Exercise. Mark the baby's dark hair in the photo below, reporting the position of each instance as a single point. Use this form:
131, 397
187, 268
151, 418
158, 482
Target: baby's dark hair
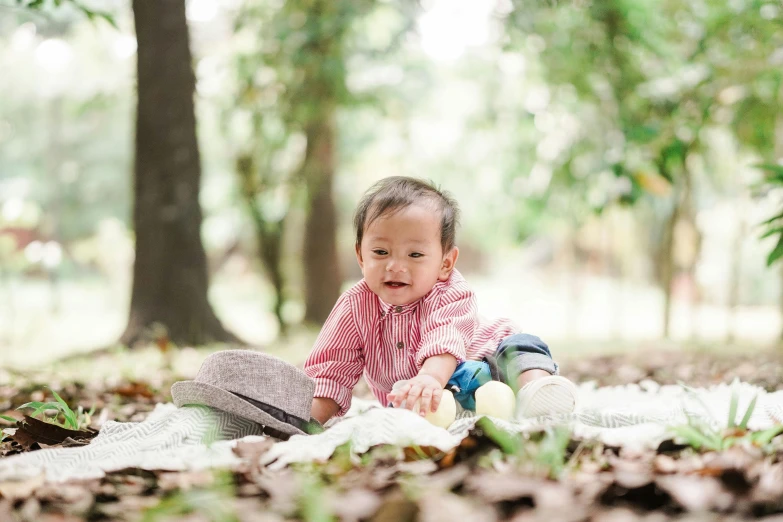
395, 193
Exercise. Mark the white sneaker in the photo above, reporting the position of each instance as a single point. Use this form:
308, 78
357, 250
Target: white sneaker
552, 395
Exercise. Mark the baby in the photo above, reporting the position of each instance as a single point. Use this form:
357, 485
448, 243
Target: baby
413, 317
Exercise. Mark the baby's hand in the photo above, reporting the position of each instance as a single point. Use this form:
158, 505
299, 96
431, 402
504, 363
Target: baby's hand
424, 387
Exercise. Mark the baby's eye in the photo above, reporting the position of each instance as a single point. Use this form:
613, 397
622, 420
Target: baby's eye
379, 252
417, 254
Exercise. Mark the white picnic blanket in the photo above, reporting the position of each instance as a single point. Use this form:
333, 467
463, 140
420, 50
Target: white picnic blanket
189, 438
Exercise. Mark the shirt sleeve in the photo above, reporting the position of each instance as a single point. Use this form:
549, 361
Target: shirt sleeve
336, 361
449, 327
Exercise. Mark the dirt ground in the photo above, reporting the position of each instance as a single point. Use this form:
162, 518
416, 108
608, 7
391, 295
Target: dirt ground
554, 478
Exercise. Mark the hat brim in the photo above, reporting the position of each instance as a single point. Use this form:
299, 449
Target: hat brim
192, 392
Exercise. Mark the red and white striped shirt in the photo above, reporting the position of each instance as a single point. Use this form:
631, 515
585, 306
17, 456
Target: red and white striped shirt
390, 343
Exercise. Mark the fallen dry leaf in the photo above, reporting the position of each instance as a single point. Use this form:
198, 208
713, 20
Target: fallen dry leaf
251, 451
696, 493
133, 389
185, 480
449, 478
664, 464
396, 507
283, 488
435, 506
417, 467
21, 489
355, 504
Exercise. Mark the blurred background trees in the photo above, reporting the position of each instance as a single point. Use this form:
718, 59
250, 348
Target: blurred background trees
607, 154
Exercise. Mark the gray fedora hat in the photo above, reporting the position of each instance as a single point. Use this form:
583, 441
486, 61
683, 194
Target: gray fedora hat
255, 386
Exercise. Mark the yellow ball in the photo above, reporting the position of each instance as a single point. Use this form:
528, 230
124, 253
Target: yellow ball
496, 399
446, 413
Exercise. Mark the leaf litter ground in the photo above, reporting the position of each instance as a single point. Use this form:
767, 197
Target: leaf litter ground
491, 476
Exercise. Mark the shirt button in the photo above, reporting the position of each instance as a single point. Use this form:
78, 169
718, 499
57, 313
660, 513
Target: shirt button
401, 345
383, 313
398, 309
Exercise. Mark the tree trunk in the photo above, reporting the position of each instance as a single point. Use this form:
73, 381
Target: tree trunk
667, 268
170, 271
735, 279
321, 266
778, 152
269, 235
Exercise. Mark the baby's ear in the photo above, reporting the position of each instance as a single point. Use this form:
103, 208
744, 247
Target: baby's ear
359, 259
448, 263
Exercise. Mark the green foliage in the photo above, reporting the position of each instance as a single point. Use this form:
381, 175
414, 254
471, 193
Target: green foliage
655, 74
545, 452
701, 435
80, 6
313, 502
74, 420
7, 418
774, 225
214, 503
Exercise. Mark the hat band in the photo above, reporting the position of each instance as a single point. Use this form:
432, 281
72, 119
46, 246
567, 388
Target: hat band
275, 412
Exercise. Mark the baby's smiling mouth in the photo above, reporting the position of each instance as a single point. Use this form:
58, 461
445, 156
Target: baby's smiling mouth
394, 284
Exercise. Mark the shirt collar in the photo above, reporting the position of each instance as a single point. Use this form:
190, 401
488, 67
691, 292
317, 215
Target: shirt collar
387, 309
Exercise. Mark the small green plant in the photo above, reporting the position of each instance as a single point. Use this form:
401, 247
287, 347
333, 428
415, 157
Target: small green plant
74, 420
214, 503
313, 502
545, 452
700, 434
7, 418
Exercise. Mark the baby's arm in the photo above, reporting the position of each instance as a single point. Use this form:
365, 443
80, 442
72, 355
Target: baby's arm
324, 409
335, 363
446, 333
441, 367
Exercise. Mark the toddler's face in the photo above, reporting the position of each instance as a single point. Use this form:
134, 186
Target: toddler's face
401, 255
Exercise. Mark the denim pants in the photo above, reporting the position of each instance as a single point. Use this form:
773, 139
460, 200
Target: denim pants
515, 354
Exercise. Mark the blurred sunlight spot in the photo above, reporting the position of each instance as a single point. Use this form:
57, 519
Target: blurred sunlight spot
34, 251
220, 231
538, 181
536, 43
512, 64
550, 147
366, 78
23, 37
12, 209
210, 78
544, 121
450, 26
433, 138
201, 10
53, 54
731, 95
537, 99
769, 11
125, 46
52, 254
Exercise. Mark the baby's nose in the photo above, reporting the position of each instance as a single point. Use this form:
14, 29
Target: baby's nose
395, 266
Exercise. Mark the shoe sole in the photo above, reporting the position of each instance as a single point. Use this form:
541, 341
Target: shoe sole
553, 395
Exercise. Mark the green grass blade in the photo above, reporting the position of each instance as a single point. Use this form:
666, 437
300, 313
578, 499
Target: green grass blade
746, 418
508, 443
34, 404
694, 437
6, 417
70, 417
733, 408
762, 438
